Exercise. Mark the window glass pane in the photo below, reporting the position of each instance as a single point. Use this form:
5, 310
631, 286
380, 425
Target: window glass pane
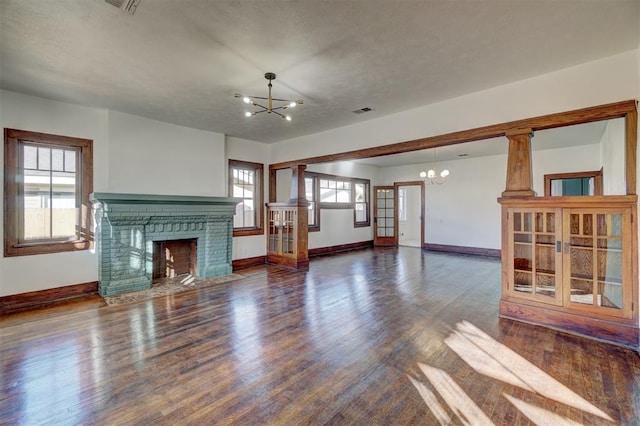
44, 158
308, 188
57, 159
327, 195
30, 155
359, 188
343, 196
50, 205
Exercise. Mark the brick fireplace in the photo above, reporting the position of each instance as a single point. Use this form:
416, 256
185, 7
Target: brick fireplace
128, 225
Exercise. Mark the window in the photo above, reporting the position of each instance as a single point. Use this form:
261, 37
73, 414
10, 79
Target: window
48, 179
361, 203
310, 194
578, 183
245, 182
335, 191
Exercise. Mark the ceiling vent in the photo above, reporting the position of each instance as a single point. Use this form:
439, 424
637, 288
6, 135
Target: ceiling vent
362, 110
127, 6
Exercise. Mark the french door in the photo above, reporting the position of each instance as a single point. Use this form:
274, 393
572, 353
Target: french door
385, 224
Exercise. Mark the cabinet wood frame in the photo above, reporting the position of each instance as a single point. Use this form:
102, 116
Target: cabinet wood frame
617, 326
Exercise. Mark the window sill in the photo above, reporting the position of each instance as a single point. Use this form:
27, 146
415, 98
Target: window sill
28, 249
248, 232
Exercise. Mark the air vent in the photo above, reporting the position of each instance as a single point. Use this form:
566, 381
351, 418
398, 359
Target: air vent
362, 110
127, 6
463, 155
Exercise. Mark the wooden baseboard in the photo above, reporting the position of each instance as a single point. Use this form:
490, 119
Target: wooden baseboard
323, 251
248, 262
477, 251
35, 299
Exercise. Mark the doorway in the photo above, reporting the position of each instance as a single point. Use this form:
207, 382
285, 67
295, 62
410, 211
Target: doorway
410, 213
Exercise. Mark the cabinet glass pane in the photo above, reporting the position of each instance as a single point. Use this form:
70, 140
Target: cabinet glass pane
551, 223
545, 258
522, 282
609, 274
545, 285
526, 222
582, 291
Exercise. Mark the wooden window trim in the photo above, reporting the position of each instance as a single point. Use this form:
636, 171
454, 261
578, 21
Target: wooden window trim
364, 223
316, 196
596, 174
12, 194
258, 201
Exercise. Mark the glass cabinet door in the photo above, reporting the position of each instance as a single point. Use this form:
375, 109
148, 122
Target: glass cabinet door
597, 255
535, 270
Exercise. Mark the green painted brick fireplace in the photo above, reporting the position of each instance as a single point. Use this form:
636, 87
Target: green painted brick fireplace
128, 224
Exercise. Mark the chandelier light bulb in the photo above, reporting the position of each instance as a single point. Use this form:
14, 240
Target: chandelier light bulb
444, 173
288, 118
423, 175
292, 104
431, 174
246, 100
248, 114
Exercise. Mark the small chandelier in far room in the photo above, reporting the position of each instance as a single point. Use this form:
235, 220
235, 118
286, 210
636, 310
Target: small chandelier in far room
432, 176
273, 105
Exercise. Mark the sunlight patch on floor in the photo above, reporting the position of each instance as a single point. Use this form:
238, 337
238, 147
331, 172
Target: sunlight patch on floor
489, 357
539, 415
493, 359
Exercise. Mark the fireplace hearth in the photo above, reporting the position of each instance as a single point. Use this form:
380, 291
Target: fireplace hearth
128, 225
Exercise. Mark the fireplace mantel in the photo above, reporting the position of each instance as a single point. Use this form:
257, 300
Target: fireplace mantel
128, 224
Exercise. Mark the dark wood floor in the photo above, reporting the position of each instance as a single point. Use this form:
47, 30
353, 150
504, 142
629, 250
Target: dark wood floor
379, 336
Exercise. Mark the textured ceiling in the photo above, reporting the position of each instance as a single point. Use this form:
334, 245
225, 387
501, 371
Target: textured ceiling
182, 61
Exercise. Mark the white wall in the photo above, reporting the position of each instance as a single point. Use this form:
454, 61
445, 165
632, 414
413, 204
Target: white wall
256, 152
599, 82
130, 154
152, 157
30, 273
464, 211
612, 147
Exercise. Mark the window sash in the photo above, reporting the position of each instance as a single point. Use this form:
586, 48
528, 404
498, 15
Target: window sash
245, 182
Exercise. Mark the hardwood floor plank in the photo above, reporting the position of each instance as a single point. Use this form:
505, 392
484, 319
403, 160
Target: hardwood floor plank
345, 343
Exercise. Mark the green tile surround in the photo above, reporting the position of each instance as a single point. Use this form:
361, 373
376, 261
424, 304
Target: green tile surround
128, 224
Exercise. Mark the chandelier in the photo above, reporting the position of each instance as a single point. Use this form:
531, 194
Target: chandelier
273, 105
432, 176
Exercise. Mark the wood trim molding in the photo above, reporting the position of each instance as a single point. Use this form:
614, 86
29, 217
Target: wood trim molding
248, 262
630, 153
41, 298
585, 115
323, 251
476, 251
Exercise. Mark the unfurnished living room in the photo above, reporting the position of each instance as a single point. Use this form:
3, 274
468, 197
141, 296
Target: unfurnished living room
301, 212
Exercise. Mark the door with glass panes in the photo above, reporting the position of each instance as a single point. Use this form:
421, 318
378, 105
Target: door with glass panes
385, 224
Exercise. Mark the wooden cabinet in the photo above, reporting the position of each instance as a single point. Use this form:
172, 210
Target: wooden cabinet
284, 246
568, 263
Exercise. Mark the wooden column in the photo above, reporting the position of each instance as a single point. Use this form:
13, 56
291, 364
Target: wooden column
519, 177
299, 199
